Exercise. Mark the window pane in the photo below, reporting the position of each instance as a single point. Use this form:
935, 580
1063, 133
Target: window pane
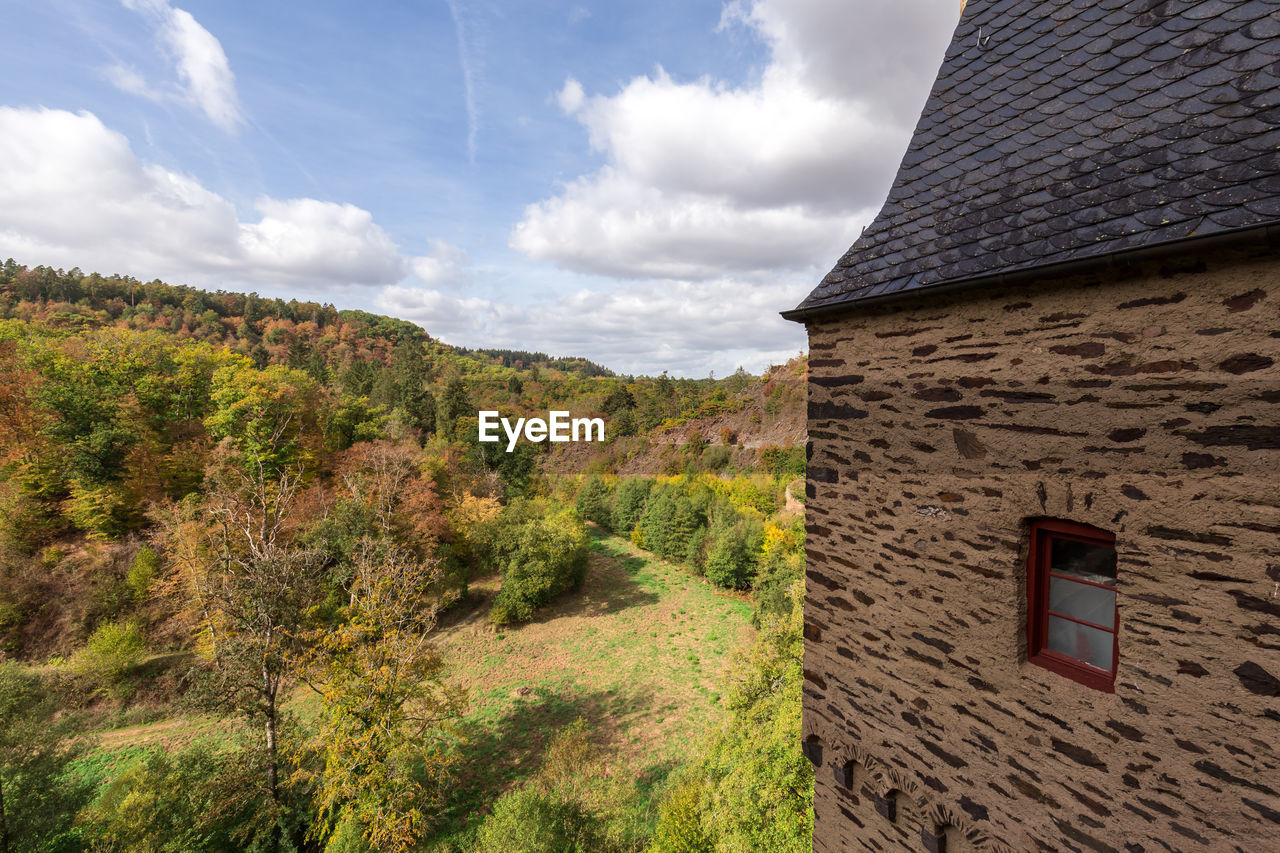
1081, 601
1081, 642
1095, 563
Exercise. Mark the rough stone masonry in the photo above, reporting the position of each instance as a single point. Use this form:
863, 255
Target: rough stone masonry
1147, 404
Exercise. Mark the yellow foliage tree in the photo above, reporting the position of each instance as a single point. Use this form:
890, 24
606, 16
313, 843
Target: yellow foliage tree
386, 706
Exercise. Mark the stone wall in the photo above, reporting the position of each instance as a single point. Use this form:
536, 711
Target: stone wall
1147, 404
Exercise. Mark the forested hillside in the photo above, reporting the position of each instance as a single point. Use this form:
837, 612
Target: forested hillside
264, 527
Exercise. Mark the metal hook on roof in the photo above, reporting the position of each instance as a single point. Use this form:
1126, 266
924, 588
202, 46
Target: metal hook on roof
982, 42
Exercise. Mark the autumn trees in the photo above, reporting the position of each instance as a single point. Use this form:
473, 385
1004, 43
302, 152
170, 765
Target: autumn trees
282, 526
286, 496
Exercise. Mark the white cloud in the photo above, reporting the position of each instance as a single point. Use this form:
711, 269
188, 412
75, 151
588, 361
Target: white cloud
127, 79
881, 53
615, 224
690, 328
703, 177
305, 238
72, 193
205, 79
571, 96
444, 264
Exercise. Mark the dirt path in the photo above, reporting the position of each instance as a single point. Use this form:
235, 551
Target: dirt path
166, 732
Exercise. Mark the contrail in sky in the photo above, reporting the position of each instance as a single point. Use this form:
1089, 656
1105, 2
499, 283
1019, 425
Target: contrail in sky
468, 81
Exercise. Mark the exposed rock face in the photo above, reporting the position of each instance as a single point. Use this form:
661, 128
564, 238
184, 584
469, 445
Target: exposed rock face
1147, 405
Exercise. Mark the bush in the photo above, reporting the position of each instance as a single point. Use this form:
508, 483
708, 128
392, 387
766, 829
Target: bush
142, 573
629, 503
530, 821
783, 461
348, 837
540, 557
26, 521
680, 821
103, 512
41, 798
194, 800
112, 653
716, 457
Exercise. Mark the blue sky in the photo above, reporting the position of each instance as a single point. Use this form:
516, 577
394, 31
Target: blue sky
643, 183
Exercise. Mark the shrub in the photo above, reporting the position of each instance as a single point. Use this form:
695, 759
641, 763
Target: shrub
680, 821
694, 443
194, 800
540, 557
113, 651
716, 457
783, 461
755, 492
348, 837
754, 788
103, 512
142, 572
41, 798
778, 571
26, 521
530, 821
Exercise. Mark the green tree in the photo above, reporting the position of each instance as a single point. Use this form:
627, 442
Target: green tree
412, 375
620, 406
778, 572
270, 414
254, 589
629, 503
595, 502
671, 523
540, 556
733, 549
453, 405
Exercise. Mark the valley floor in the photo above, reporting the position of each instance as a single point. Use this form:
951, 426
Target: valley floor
637, 653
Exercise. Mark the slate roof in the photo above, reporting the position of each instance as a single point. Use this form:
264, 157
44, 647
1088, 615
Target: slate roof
1077, 129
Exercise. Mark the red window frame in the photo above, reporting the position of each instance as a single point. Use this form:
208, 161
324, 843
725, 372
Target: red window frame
1043, 531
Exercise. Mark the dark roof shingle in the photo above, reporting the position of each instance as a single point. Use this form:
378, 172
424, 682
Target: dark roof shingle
1077, 129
